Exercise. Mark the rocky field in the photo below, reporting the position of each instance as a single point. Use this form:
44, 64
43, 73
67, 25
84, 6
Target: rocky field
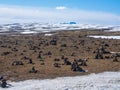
50, 55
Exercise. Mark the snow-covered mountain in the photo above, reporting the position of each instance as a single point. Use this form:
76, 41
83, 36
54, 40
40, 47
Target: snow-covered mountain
27, 28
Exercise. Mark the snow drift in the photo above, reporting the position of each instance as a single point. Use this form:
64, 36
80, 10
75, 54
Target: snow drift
102, 81
106, 37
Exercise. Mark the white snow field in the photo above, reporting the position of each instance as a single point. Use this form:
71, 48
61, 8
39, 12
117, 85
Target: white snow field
31, 28
101, 81
106, 37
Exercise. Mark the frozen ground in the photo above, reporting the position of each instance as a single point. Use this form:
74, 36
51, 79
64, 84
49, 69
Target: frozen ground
102, 81
106, 37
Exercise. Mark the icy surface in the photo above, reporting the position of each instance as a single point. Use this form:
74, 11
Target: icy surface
28, 32
102, 81
106, 37
48, 34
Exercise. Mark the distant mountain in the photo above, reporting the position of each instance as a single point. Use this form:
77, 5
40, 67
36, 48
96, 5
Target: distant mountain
27, 28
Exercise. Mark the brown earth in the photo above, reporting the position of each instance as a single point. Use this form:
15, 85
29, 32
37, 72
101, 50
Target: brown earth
69, 43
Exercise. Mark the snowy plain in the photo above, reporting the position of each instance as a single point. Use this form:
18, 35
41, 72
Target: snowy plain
101, 81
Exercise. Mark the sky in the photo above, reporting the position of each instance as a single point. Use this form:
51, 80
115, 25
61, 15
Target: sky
53, 11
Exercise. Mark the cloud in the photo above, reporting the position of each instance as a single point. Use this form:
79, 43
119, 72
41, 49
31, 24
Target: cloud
13, 14
61, 7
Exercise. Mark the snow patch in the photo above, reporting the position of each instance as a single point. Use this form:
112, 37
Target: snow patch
114, 52
28, 32
106, 37
48, 34
102, 81
117, 28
